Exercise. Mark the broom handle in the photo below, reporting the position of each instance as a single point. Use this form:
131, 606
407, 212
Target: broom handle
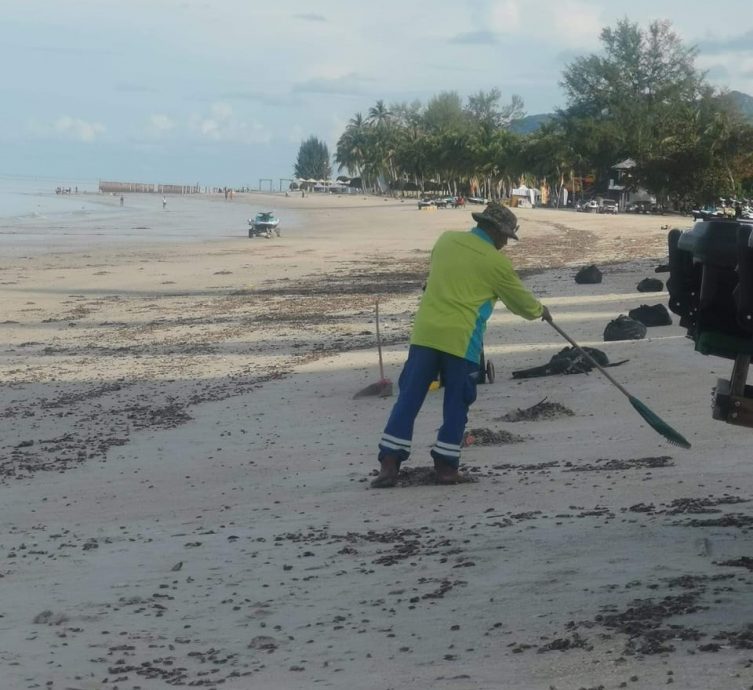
589, 358
379, 343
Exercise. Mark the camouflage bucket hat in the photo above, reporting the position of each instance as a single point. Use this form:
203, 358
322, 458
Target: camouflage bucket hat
500, 217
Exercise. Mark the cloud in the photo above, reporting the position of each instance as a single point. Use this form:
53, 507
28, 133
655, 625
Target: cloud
577, 24
312, 17
270, 99
476, 38
160, 124
222, 124
562, 23
79, 129
66, 127
346, 85
741, 43
504, 17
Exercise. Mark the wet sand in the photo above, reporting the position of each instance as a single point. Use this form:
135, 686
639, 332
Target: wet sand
185, 473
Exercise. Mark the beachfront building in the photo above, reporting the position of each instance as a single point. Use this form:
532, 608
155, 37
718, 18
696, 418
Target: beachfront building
621, 188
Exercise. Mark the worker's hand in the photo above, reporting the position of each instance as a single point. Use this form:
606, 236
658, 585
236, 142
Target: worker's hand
545, 315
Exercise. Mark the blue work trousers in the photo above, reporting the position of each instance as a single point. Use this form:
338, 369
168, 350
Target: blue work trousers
459, 377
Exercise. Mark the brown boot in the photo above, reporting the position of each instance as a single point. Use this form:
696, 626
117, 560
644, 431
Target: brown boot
446, 474
387, 478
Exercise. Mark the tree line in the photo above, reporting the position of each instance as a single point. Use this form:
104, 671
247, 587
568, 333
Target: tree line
641, 97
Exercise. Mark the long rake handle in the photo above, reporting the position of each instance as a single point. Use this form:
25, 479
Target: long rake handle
379, 344
590, 359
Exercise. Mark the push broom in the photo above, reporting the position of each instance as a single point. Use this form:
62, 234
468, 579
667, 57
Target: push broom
654, 421
383, 387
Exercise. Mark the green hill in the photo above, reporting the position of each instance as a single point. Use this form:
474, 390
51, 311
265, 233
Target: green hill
744, 102
530, 123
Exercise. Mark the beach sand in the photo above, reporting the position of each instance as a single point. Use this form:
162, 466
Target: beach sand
185, 472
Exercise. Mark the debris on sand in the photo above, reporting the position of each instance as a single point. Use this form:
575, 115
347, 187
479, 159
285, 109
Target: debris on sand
624, 328
541, 410
569, 360
488, 437
739, 639
605, 465
729, 520
701, 505
588, 275
742, 562
651, 315
643, 619
650, 285
563, 644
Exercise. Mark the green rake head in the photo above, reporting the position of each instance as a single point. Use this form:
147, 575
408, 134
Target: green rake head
659, 425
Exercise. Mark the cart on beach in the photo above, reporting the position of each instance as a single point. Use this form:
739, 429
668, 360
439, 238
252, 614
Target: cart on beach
264, 224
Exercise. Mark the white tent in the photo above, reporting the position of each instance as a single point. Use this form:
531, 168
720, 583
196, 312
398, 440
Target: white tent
527, 195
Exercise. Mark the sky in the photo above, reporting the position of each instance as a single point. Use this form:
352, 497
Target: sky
223, 92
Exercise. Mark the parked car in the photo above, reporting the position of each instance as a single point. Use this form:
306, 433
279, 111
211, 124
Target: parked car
608, 206
426, 202
591, 206
639, 207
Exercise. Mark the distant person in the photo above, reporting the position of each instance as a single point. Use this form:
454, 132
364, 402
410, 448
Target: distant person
76, 190
164, 202
122, 200
225, 190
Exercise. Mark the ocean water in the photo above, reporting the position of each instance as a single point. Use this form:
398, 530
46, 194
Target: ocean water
28, 197
34, 219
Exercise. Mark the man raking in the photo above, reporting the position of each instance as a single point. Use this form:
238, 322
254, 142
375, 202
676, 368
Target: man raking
467, 275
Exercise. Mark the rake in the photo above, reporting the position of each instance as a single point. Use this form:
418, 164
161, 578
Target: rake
654, 421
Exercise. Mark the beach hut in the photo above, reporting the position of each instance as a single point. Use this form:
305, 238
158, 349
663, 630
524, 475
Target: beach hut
525, 197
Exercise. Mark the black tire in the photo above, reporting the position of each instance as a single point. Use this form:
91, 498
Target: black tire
490, 373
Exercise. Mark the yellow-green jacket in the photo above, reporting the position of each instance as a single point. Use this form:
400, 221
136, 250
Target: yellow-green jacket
466, 277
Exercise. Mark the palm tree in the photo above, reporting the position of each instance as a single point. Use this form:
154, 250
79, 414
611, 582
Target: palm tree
379, 114
351, 152
382, 142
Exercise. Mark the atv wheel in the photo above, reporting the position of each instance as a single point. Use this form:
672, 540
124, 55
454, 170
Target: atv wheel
489, 372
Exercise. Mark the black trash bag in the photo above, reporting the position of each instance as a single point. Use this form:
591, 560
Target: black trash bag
569, 360
624, 328
588, 275
650, 285
655, 315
